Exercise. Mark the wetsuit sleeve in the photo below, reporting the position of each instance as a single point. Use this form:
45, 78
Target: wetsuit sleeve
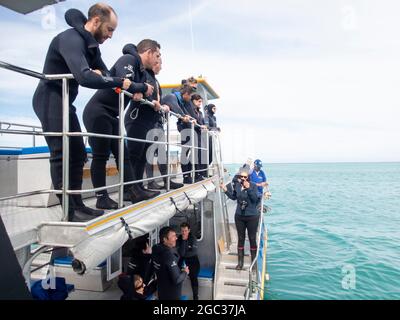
73, 52
182, 247
122, 71
171, 101
193, 250
100, 65
177, 276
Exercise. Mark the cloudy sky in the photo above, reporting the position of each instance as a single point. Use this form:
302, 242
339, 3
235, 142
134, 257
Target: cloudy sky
299, 80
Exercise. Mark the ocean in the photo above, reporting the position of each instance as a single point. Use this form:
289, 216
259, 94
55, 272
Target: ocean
333, 231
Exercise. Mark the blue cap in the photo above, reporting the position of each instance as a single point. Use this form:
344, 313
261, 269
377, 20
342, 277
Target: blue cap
258, 163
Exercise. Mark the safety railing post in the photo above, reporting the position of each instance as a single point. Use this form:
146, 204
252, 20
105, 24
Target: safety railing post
208, 153
193, 153
33, 137
65, 144
168, 153
121, 150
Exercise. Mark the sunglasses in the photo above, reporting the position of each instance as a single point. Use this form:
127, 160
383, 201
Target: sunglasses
244, 177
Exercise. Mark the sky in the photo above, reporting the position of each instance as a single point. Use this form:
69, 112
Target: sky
299, 81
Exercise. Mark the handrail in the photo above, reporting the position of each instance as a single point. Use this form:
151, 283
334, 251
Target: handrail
19, 125
34, 74
253, 263
65, 134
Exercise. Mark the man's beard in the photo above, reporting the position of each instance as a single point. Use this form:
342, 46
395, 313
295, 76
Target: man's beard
98, 35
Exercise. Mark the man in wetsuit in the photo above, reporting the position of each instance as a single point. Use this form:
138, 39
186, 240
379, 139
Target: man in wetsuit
201, 164
101, 116
179, 102
161, 150
75, 51
165, 263
141, 118
187, 250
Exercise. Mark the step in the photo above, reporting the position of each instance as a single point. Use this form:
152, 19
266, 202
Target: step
41, 259
230, 292
232, 261
233, 276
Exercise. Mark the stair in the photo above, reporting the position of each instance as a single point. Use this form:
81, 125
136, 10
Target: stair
232, 283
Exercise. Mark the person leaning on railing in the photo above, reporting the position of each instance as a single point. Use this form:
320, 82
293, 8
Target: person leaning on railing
141, 118
210, 122
101, 116
246, 215
161, 150
75, 51
178, 102
201, 164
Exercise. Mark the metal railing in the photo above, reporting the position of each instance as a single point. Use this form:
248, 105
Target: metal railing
13, 124
252, 286
65, 134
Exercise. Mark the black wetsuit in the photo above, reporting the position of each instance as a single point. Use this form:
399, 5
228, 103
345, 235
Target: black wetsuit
178, 105
211, 122
201, 163
161, 152
246, 215
169, 275
139, 120
73, 51
187, 250
102, 112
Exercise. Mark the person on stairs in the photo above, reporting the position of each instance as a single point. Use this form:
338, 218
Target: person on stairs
246, 216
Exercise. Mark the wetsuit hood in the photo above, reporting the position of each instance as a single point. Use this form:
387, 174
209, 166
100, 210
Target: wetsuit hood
130, 49
209, 109
77, 20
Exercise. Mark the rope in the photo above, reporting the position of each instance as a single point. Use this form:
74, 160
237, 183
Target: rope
176, 207
127, 229
190, 201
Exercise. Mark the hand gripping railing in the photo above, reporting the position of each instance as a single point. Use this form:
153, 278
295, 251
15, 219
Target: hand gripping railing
65, 134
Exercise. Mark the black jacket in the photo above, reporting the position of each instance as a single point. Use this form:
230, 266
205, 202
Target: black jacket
127, 66
143, 114
247, 198
140, 264
76, 51
179, 106
187, 248
211, 120
169, 276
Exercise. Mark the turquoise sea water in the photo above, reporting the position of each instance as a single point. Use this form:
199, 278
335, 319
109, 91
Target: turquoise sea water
334, 231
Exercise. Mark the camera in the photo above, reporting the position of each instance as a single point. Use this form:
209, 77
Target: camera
243, 205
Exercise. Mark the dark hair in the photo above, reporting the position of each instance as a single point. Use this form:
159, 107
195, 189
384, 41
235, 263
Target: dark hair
147, 44
185, 225
196, 97
142, 242
189, 80
101, 10
164, 231
210, 106
186, 89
